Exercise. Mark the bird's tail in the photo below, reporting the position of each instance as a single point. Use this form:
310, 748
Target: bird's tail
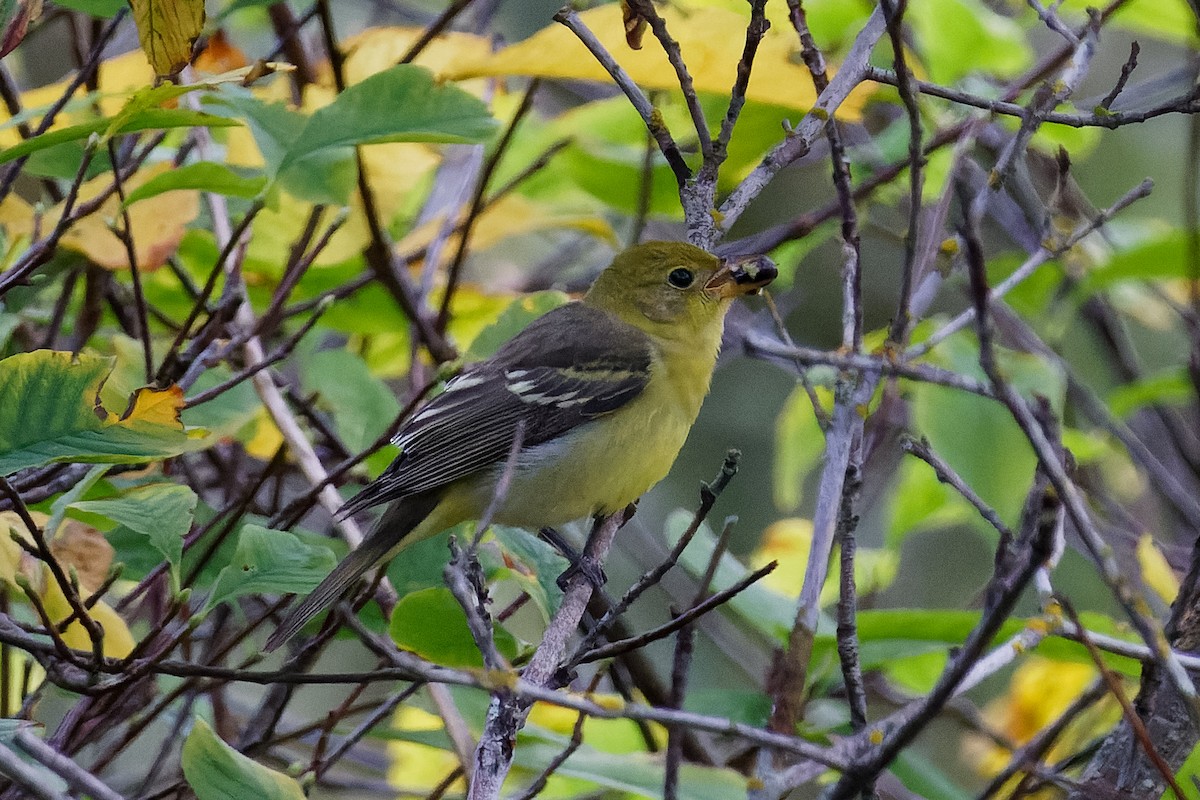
397, 522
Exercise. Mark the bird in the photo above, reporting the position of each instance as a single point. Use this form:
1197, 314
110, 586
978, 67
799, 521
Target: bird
585, 410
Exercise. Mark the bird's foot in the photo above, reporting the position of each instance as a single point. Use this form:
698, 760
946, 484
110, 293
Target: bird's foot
589, 568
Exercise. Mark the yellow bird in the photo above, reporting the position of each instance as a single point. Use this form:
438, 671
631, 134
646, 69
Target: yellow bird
599, 396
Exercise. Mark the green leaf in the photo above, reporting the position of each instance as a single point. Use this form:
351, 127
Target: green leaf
327, 177
924, 779
49, 412
432, 624
740, 705
8, 324
542, 566
216, 771
637, 774
160, 511
149, 119
983, 40
312, 157
916, 674
58, 509
922, 502
273, 125
604, 160
1168, 20
240, 5
63, 162
765, 610
969, 431
1161, 255
799, 444
1170, 388
268, 561
97, 8
425, 561
419, 110
224, 415
512, 321
361, 404
1087, 447
886, 635
204, 175
1188, 778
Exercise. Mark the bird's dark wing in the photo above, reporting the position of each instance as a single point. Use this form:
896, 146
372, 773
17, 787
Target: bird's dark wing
568, 367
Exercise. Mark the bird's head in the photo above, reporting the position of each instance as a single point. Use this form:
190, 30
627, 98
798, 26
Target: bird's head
676, 287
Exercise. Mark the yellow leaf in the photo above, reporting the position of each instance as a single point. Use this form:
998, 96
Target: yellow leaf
472, 310
710, 38
1156, 572
266, 438
394, 172
157, 227
17, 222
512, 215
1039, 691
13, 559
117, 78
787, 542
417, 767
118, 641
388, 355
167, 29
10, 551
23, 672
377, 49
606, 735
561, 719
78, 547
158, 406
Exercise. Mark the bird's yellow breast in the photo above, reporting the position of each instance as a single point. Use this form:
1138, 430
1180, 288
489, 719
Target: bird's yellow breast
606, 464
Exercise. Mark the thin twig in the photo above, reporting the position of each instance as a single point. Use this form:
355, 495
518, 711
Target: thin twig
477, 203
434, 29
82, 76
1038, 745
946, 474
280, 353
506, 715
1128, 712
800, 139
646, 10
1126, 70
709, 492
894, 11
681, 663
539, 783
847, 608
125, 234
650, 116
623, 646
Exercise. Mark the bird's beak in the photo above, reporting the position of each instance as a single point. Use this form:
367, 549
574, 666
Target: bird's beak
744, 275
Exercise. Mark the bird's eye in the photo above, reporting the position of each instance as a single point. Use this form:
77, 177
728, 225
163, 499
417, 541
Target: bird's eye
681, 278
